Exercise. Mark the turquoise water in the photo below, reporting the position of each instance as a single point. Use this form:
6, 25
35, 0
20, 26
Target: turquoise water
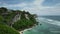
48, 26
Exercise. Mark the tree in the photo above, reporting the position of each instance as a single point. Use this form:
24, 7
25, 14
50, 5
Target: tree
1, 19
3, 10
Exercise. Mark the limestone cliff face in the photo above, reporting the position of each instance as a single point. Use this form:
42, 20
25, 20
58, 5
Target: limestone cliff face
26, 16
15, 19
18, 17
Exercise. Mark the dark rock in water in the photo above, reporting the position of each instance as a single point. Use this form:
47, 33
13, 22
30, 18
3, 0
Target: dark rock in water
37, 23
40, 24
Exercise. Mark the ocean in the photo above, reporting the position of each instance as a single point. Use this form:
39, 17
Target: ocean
46, 25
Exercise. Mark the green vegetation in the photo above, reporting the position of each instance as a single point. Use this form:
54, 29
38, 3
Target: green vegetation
22, 24
10, 22
4, 29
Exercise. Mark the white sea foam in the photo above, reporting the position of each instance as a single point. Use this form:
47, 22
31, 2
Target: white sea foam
55, 31
55, 22
49, 20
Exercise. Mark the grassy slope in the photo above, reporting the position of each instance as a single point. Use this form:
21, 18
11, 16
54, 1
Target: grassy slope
4, 29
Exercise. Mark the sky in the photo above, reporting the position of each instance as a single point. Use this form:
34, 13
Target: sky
39, 7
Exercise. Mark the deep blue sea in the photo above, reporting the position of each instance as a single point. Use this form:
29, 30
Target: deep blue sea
46, 25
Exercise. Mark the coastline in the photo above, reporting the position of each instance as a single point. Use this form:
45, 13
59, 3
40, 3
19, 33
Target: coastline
21, 32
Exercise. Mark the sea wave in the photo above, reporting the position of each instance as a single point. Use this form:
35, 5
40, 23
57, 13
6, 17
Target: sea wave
50, 21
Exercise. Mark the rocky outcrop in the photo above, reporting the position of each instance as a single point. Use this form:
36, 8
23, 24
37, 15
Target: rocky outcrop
26, 16
15, 19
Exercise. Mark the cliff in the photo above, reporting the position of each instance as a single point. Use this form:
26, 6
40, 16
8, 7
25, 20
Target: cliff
17, 19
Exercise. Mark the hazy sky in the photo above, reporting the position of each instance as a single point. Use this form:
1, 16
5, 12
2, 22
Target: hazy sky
40, 7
